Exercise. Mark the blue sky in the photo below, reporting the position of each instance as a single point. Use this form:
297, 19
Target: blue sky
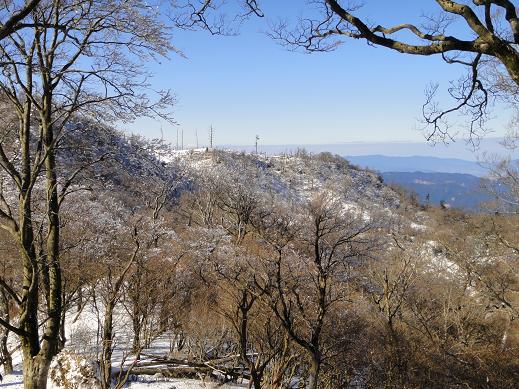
247, 85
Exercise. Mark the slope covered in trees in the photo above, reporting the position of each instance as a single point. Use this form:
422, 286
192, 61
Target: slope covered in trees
271, 270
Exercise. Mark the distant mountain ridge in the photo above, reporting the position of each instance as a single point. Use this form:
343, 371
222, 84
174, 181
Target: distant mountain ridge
384, 163
463, 191
456, 182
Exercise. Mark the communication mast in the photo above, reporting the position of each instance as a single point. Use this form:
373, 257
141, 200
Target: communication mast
211, 136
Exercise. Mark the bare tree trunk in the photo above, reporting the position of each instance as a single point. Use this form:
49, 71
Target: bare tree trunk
313, 376
255, 380
106, 356
108, 327
35, 372
62, 336
79, 305
136, 311
7, 360
136, 324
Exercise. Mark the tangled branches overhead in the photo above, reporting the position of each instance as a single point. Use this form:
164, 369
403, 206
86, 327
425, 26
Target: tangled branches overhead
213, 15
487, 48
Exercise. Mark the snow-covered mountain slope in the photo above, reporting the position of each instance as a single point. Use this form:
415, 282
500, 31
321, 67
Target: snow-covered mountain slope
124, 174
111, 160
297, 177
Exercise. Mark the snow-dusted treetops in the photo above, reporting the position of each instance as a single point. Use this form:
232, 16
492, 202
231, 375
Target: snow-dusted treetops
259, 271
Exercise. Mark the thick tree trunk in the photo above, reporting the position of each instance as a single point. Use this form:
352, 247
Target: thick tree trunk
511, 62
7, 361
35, 372
255, 380
136, 343
37, 355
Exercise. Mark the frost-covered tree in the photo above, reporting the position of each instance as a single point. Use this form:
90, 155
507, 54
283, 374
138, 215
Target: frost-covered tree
73, 57
310, 271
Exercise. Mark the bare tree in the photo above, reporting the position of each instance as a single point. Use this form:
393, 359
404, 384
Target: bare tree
75, 57
8, 254
310, 271
487, 49
341, 21
114, 283
392, 279
263, 346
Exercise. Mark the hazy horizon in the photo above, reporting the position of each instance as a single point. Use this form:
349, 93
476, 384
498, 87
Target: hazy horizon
458, 150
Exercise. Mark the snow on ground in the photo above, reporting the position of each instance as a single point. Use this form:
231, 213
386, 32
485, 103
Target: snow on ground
418, 227
182, 384
82, 332
437, 260
15, 381
12, 381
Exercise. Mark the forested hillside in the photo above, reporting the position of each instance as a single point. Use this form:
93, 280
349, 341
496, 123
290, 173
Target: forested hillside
268, 270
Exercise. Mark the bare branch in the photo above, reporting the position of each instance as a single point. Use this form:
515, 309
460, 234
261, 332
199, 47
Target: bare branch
13, 23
